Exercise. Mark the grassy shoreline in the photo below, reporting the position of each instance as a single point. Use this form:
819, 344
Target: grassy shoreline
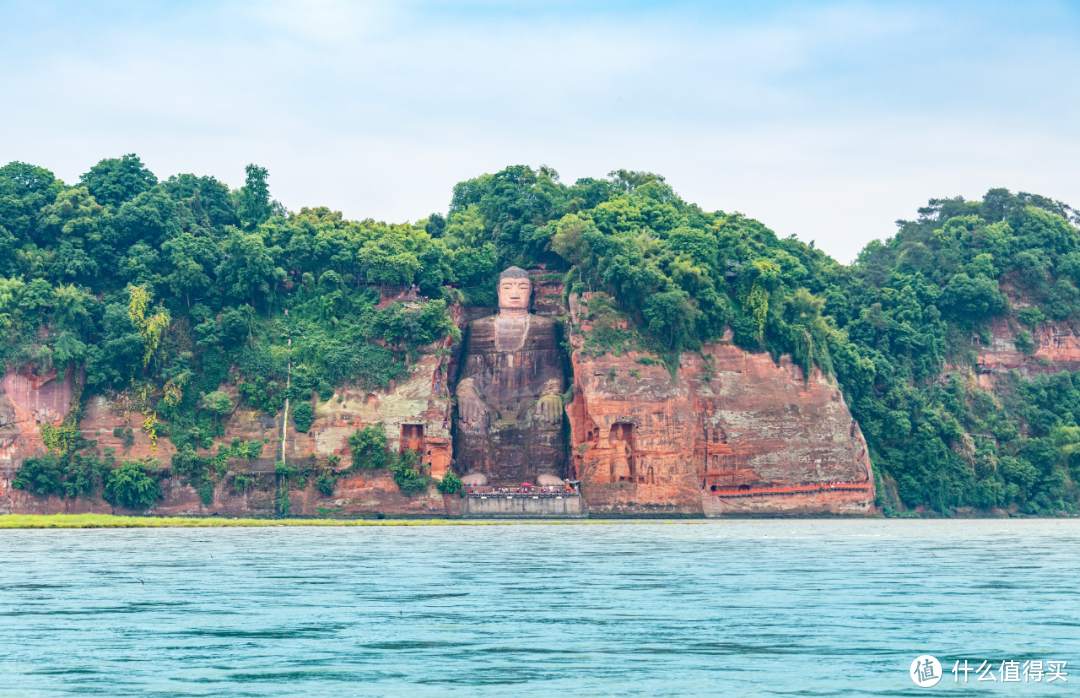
17, 521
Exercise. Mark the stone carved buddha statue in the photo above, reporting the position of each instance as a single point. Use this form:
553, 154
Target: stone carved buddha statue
509, 398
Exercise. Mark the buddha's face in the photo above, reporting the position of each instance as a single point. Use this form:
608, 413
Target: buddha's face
514, 295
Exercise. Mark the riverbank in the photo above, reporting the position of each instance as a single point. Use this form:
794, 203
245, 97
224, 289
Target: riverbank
8, 521
111, 521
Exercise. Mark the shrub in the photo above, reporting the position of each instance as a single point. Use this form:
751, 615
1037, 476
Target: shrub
371, 365
242, 482
1032, 317
1024, 342
42, 476
302, 416
130, 486
252, 450
326, 483
450, 484
86, 473
217, 402
284, 470
60, 440
368, 447
409, 480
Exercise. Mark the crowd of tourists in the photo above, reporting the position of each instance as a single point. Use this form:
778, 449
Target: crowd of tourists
534, 490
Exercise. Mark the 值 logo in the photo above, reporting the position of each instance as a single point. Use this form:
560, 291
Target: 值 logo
925, 671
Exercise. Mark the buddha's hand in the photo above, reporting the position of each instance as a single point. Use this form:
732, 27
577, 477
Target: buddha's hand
471, 407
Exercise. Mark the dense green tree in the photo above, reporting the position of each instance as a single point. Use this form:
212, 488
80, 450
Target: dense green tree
132, 486
249, 269
116, 180
189, 262
255, 207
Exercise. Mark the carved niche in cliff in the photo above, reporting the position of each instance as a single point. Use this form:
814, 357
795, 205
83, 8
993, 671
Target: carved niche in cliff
510, 407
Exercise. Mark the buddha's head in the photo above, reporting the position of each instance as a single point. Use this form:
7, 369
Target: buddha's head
515, 290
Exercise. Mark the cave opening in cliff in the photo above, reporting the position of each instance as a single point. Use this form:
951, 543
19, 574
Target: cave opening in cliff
621, 439
412, 438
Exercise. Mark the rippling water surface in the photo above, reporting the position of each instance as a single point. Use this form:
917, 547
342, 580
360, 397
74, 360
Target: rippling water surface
630, 609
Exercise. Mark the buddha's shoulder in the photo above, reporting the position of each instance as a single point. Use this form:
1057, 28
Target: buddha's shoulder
541, 321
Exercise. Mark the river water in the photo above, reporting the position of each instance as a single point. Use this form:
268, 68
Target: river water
806, 607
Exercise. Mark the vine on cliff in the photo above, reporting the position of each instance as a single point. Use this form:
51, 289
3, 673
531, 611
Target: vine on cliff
60, 440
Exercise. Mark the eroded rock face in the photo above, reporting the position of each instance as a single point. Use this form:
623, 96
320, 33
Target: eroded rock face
1057, 348
414, 413
1056, 344
26, 402
644, 444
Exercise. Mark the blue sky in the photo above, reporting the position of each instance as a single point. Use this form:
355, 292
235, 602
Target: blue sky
824, 120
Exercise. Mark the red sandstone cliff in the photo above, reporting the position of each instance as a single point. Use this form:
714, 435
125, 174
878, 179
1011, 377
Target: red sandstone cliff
414, 413
1056, 345
1057, 348
644, 443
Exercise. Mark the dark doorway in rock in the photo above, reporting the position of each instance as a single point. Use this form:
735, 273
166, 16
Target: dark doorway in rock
744, 488
621, 441
412, 438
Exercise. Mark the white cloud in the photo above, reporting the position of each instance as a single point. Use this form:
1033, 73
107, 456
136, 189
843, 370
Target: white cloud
827, 121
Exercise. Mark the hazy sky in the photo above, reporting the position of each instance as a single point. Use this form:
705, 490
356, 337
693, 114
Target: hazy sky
824, 120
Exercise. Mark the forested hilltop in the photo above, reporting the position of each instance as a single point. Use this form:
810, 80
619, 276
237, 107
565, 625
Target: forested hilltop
163, 292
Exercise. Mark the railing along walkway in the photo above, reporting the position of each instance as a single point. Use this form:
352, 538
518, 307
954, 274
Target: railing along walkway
523, 495
796, 489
